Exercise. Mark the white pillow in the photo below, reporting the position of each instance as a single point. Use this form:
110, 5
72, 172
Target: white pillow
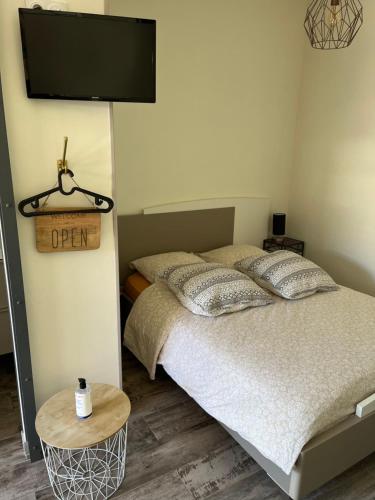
153, 265
231, 254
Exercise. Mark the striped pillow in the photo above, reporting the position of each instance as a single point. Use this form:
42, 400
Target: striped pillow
287, 274
211, 289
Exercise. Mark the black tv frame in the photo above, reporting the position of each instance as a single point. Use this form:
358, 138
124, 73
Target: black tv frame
39, 12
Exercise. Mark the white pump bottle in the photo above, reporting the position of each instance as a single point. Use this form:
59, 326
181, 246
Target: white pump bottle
83, 400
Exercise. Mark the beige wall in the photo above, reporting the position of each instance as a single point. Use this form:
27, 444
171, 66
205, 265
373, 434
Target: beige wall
228, 76
332, 193
71, 298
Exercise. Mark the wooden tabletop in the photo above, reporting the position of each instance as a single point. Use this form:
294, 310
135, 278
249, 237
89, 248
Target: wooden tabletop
57, 424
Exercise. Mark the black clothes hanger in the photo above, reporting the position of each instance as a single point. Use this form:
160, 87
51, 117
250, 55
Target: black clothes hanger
34, 200
63, 170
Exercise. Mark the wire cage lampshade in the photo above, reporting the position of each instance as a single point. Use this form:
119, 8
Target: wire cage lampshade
333, 24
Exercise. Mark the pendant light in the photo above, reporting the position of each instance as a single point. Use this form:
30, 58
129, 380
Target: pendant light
333, 24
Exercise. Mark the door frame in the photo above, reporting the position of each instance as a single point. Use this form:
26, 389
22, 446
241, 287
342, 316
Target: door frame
16, 296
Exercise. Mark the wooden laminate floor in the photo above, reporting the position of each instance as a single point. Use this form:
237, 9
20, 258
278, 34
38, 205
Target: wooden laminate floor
175, 451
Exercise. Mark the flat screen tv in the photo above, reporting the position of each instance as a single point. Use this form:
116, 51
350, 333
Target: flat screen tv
68, 55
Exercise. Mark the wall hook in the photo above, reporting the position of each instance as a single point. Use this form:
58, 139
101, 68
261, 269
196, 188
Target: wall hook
63, 163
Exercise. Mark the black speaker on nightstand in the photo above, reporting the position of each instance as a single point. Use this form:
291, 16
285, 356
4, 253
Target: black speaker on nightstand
278, 224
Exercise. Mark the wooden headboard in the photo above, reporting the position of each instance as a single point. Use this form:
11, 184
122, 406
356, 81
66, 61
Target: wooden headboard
192, 231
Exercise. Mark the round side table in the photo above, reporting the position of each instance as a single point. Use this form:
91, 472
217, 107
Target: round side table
85, 459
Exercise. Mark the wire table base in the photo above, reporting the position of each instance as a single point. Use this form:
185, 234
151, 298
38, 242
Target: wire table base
93, 473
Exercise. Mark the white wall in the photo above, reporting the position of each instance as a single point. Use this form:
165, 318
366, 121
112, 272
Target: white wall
71, 298
223, 125
228, 77
332, 192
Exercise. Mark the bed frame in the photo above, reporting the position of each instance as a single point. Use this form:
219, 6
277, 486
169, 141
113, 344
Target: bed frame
323, 457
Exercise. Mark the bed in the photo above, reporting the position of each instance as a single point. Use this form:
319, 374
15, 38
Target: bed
253, 379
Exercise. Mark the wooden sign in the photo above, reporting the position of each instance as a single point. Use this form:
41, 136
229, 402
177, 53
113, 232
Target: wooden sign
69, 232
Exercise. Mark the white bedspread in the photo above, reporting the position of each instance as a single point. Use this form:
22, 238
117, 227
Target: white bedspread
278, 375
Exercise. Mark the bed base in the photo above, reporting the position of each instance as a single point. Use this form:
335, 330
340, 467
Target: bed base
323, 458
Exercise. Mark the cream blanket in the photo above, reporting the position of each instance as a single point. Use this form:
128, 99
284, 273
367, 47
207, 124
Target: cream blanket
277, 375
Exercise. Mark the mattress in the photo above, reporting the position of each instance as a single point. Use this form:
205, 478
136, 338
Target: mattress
134, 285
277, 375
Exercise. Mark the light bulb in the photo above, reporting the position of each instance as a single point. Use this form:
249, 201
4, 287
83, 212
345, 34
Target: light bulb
333, 14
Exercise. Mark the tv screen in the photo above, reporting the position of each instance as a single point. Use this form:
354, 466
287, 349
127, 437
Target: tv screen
68, 55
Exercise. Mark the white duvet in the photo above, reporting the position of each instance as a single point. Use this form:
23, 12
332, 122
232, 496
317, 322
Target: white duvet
278, 375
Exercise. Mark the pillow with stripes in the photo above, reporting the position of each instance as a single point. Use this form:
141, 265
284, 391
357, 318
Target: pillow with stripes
287, 274
210, 289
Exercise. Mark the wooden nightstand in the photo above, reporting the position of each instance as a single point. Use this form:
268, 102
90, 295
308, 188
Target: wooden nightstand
85, 458
284, 243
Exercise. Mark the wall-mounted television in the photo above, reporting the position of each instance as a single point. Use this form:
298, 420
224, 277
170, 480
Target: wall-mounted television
69, 55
